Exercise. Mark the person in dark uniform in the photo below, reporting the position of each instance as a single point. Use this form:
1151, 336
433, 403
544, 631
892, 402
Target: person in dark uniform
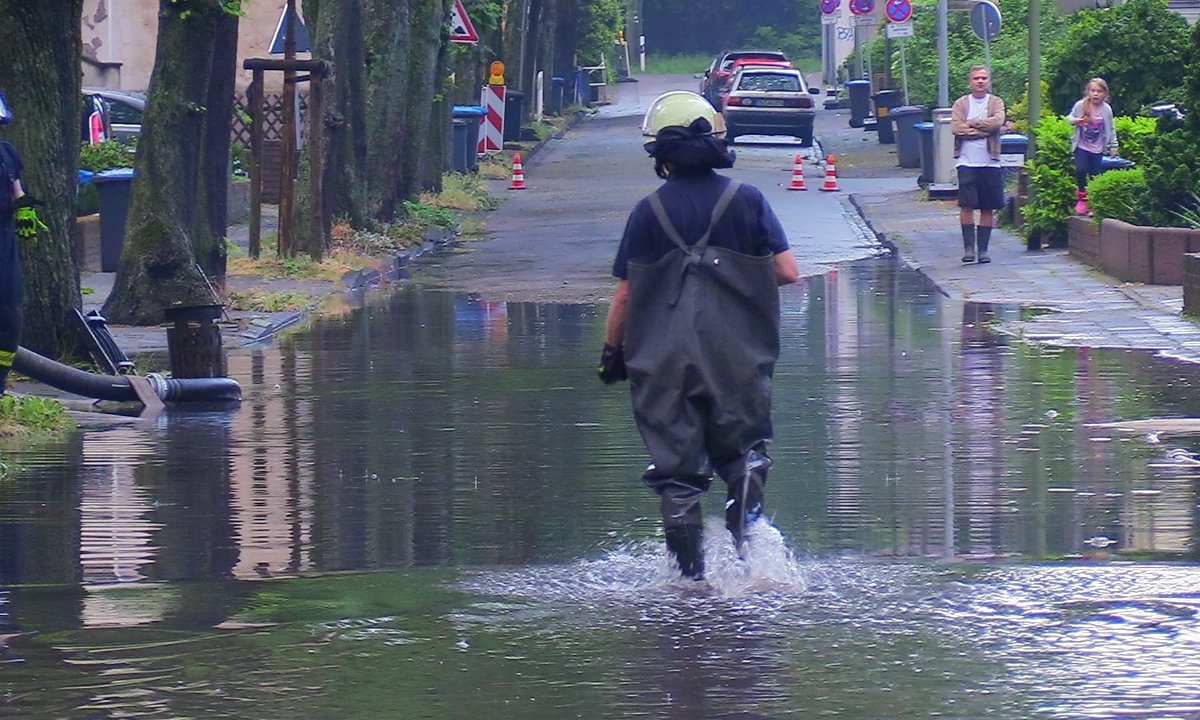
17, 218
694, 325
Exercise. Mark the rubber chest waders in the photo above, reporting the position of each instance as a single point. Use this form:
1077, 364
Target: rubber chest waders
701, 343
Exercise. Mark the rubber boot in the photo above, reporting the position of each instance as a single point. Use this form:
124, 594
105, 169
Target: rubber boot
683, 519
686, 543
10, 338
1081, 203
744, 501
968, 234
983, 237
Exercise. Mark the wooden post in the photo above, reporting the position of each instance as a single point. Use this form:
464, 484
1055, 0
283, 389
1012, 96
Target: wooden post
254, 96
287, 180
316, 155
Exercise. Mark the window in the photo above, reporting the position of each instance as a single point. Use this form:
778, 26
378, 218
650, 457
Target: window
122, 113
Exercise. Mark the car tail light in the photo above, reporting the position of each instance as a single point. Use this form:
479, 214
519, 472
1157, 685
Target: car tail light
733, 100
801, 102
96, 128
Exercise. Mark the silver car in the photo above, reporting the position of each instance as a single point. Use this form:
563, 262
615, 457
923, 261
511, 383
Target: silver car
769, 101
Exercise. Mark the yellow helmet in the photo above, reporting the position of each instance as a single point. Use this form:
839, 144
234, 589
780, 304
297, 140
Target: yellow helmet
680, 108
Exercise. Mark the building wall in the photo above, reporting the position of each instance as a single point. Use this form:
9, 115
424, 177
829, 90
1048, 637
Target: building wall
119, 40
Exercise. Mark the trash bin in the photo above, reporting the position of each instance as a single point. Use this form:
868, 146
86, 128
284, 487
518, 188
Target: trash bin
113, 187
884, 101
512, 114
1013, 147
924, 132
908, 142
1115, 163
464, 150
860, 99
554, 104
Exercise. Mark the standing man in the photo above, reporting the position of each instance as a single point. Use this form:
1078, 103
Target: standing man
17, 217
694, 325
975, 120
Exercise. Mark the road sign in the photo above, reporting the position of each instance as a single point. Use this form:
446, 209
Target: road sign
900, 30
827, 19
829, 7
303, 44
985, 20
898, 11
865, 20
862, 7
461, 29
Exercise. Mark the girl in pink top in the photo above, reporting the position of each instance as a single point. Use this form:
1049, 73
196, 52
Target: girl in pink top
1094, 135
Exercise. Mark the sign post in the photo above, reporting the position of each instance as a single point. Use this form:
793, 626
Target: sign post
862, 10
829, 18
985, 22
899, 14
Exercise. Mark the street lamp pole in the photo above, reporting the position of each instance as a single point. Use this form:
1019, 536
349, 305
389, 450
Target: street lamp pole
943, 32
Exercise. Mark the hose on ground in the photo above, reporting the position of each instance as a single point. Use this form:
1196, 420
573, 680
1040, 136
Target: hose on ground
117, 387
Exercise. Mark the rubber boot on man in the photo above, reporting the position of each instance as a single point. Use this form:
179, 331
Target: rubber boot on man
683, 519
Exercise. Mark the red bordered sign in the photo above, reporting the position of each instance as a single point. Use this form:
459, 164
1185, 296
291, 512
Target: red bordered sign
461, 29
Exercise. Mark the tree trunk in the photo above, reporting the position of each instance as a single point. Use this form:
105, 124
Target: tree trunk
337, 28
158, 267
424, 87
39, 53
208, 241
391, 52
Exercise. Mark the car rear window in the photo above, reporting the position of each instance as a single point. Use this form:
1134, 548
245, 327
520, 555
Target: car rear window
764, 82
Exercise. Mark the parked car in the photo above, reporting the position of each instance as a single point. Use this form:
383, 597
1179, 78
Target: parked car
111, 114
721, 69
769, 101
723, 90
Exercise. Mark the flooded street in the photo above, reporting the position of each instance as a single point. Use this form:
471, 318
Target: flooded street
428, 507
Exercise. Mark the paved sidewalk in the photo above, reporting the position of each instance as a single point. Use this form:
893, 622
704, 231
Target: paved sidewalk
1093, 309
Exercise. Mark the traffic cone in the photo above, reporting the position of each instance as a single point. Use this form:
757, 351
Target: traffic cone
518, 175
830, 174
798, 175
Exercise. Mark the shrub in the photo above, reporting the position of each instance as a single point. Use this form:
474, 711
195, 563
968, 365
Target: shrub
1172, 168
1051, 180
1120, 195
1133, 133
1140, 47
106, 155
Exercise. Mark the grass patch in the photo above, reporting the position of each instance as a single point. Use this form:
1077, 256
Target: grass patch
687, 64
262, 301
32, 416
461, 191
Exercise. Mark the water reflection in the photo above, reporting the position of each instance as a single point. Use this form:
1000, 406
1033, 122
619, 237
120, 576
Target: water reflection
463, 452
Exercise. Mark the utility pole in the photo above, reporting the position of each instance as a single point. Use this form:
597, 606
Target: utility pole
1035, 72
943, 33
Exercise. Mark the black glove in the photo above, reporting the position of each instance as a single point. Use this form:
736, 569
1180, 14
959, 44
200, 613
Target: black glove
27, 201
612, 365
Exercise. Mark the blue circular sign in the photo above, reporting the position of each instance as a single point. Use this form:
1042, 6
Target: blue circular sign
830, 6
898, 10
862, 7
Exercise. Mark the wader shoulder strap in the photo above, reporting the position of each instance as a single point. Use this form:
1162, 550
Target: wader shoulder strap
718, 210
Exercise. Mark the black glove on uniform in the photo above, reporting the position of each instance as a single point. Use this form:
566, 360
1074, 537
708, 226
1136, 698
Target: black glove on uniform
612, 365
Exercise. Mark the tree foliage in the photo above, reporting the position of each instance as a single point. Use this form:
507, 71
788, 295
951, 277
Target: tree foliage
1009, 52
1139, 47
676, 27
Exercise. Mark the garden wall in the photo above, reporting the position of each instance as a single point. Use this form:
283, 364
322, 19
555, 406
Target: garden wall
1133, 253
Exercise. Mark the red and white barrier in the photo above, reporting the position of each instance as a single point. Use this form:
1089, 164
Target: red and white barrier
491, 129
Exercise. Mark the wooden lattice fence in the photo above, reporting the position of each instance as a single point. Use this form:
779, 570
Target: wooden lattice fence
272, 117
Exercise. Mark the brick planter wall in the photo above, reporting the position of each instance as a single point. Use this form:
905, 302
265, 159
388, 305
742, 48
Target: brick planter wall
1133, 253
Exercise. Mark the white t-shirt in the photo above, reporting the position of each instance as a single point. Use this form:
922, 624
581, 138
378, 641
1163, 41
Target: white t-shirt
974, 153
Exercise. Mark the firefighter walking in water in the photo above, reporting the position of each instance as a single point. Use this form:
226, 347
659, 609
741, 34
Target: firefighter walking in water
694, 325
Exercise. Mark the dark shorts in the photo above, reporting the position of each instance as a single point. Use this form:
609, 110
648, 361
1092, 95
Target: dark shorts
981, 188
